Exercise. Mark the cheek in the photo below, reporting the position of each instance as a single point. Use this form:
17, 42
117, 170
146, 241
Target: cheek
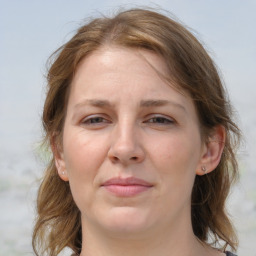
178, 150
83, 155
176, 159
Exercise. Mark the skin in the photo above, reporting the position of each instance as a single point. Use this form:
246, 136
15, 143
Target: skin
123, 120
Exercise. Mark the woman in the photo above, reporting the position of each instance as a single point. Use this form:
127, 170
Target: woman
142, 140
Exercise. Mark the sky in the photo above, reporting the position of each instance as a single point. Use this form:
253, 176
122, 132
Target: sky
31, 30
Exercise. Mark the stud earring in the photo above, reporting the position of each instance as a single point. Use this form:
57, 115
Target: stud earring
203, 168
63, 173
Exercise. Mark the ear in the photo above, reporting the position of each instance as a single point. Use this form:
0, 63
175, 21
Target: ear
59, 158
212, 151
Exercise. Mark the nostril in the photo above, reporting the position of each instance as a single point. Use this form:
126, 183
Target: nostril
115, 158
134, 158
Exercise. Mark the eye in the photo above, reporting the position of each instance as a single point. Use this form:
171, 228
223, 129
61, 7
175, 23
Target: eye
95, 121
160, 120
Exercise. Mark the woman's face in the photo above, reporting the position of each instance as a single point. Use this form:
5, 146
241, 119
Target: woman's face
131, 144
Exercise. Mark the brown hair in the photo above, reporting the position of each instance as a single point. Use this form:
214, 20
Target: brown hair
58, 224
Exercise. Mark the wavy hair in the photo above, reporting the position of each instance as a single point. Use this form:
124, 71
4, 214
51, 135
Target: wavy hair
58, 223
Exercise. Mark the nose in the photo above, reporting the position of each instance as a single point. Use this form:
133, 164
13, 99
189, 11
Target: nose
126, 146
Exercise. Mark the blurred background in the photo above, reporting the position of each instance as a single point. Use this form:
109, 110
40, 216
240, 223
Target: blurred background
31, 30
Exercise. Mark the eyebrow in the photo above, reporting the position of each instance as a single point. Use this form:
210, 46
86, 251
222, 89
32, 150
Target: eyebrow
159, 103
144, 103
95, 103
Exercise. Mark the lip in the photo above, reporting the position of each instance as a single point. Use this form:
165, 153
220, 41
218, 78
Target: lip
126, 187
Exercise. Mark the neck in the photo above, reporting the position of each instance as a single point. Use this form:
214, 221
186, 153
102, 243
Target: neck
174, 241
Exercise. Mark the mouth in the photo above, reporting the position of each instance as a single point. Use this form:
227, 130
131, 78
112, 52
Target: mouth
126, 187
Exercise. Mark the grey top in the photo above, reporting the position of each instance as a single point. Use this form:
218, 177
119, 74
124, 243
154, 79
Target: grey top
230, 254
227, 253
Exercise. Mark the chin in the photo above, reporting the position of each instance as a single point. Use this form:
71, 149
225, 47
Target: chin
127, 220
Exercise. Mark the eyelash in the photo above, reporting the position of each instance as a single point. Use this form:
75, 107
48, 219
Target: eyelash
153, 120
160, 120
94, 120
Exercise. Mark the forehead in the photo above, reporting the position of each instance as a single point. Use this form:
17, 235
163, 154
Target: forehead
114, 57
112, 71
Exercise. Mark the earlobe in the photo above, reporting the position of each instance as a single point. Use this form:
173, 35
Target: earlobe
59, 160
61, 168
212, 153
